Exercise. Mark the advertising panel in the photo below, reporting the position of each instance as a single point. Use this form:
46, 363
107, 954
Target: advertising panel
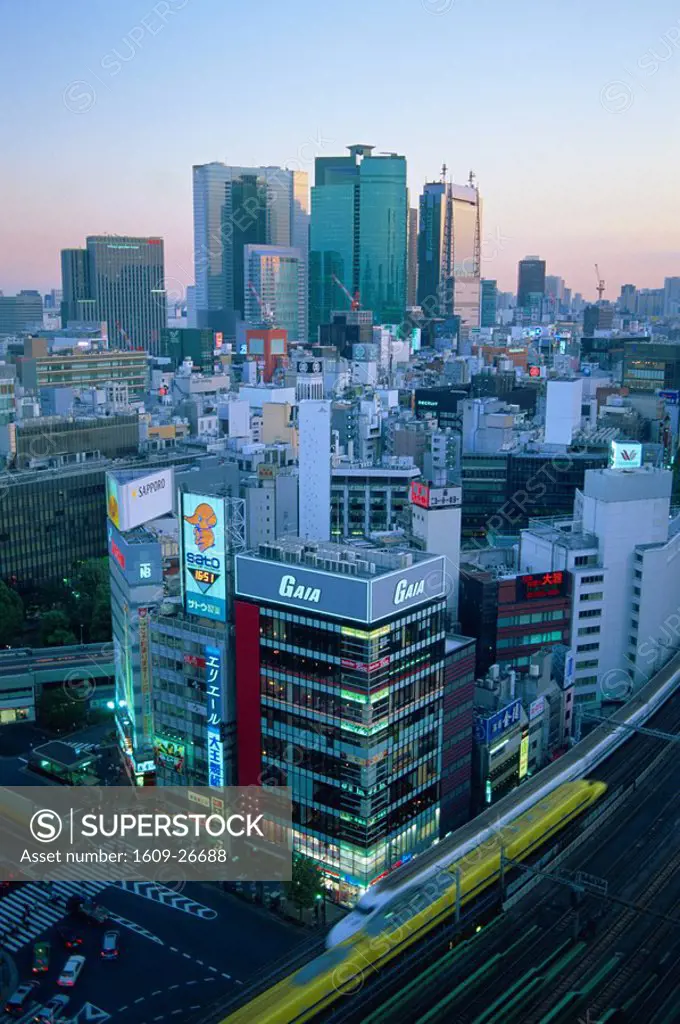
133, 502
542, 585
489, 729
406, 588
204, 556
170, 754
213, 675
625, 455
536, 708
524, 756
141, 563
296, 586
420, 494
145, 672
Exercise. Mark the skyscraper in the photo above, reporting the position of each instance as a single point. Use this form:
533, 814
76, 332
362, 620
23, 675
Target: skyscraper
412, 267
127, 282
671, 296
449, 251
77, 302
530, 281
488, 303
275, 281
358, 237
234, 207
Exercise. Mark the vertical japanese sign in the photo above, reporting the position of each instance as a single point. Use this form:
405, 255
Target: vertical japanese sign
213, 676
145, 673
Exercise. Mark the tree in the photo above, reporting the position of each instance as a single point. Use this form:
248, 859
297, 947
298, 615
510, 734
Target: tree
11, 615
90, 599
54, 629
58, 711
305, 885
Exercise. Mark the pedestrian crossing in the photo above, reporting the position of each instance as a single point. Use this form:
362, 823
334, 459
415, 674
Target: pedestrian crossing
169, 898
28, 911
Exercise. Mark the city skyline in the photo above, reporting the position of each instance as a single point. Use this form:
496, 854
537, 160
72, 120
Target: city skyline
116, 77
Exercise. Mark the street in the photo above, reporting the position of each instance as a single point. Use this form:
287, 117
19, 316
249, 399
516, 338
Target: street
179, 949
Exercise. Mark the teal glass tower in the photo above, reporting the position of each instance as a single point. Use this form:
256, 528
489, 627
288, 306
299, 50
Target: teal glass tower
358, 237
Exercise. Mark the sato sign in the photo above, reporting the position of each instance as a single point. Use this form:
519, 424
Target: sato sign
625, 455
213, 678
489, 729
204, 556
129, 503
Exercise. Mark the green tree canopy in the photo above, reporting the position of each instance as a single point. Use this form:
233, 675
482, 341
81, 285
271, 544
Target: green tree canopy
54, 629
58, 711
305, 885
11, 615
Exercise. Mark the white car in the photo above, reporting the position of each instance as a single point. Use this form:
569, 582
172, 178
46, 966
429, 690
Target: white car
71, 971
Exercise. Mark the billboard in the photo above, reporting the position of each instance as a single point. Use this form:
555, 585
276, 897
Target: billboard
625, 455
524, 756
420, 494
542, 585
170, 754
129, 503
536, 708
336, 594
204, 556
141, 564
213, 677
488, 729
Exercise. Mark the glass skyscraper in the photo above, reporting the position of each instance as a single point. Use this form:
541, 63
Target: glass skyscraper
358, 237
274, 280
449, 251
235, 207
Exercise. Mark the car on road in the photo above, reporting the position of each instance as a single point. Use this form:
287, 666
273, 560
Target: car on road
93, 912
70, 938
71, 971
51, 1011
16, 1004
41, 957
110, 945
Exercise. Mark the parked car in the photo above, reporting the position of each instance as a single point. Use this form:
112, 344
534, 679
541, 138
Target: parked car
41, 957
17, 1002
52, 1010
71, 971
110, 945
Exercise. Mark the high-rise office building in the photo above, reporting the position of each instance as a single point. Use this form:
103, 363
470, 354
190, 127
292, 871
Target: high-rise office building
671, 296
489, 301
119, 280
358, 236
235, 207
77, 302
339, 652
314, 420
127, 279
530, 281
275, 282
628, 298
19, 313
449, 252
412, 266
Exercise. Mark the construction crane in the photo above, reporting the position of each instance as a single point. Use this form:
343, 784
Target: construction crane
600, 284
123, 334
267, 315
354, 301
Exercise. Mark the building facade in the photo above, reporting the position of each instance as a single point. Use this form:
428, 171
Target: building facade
276, 289
340, 657
358, 236
530, 282
127, 278
80, 370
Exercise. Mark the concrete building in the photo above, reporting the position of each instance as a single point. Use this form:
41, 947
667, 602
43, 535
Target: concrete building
314, 422
81, 370
50, 441
436, 529
563, 410
367, 498
620, 548
334, 645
